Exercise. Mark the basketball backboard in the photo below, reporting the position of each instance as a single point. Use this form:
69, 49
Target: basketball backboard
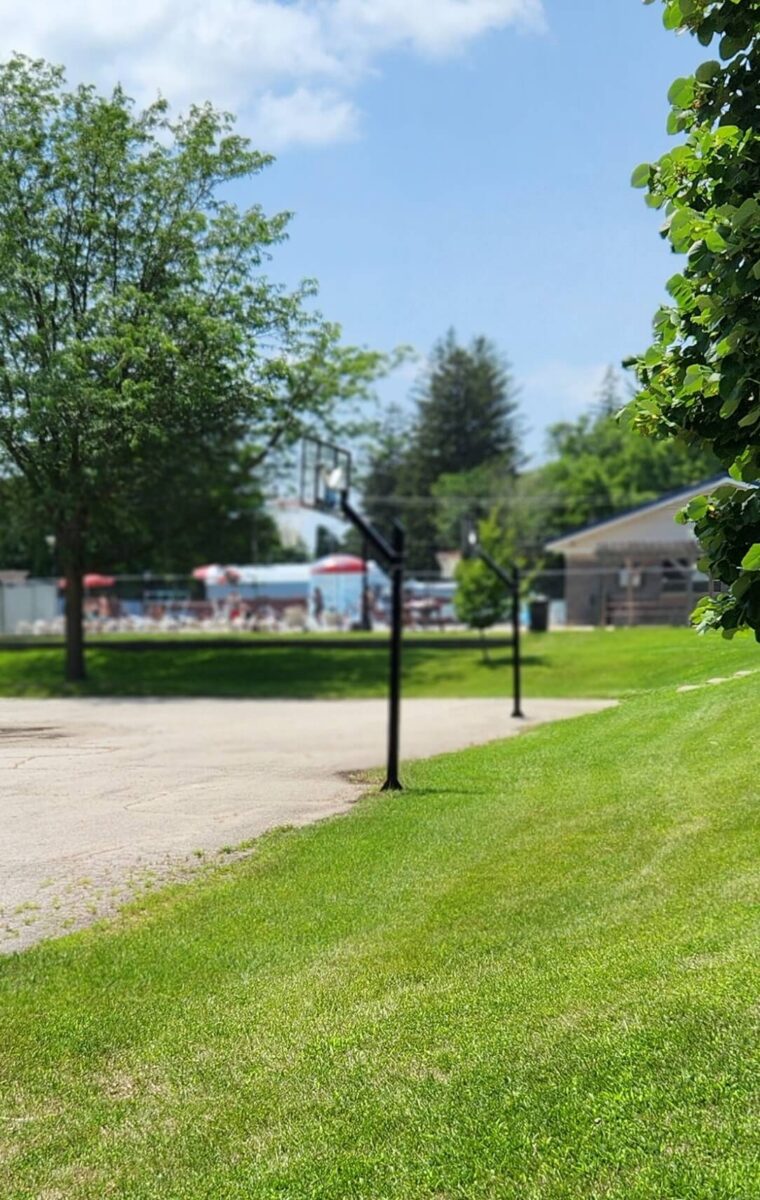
325, 474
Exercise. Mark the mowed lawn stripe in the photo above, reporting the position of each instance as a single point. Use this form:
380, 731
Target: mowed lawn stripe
530, 975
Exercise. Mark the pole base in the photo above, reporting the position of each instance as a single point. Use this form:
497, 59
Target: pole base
392, 785
518, 713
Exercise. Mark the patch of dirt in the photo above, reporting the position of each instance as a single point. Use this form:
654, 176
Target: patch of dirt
73, 901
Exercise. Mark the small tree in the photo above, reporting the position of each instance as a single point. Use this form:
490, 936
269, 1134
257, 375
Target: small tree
135, 319
700, 380
481, 600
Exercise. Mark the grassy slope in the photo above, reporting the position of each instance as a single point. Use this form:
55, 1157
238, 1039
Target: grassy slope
530, 976
559, 664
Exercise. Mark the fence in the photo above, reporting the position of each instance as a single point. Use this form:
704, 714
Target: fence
28, 606
578, 596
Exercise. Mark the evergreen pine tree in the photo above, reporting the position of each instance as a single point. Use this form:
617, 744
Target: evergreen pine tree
467, 410
466, 418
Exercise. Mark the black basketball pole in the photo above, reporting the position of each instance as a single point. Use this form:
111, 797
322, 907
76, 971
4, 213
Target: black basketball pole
512, 583
393, 554
516, 659
392, 782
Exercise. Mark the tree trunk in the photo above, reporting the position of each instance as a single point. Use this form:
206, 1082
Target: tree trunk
73, 562
484, 646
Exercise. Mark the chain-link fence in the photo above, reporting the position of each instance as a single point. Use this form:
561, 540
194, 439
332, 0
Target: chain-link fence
293, 597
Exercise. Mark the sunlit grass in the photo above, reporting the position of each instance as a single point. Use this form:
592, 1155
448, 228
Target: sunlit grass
529, 976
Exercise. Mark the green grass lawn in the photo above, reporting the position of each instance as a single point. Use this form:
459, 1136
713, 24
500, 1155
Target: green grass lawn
556, 664
531, 976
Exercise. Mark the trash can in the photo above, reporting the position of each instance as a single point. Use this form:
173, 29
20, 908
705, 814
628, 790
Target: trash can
538, 614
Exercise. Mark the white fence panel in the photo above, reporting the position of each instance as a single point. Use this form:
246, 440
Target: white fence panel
23, 604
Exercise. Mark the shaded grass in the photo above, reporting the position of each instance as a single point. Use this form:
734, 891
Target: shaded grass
594, 664
529, 977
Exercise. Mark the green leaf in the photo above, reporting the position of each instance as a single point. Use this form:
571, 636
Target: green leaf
696, 508
727, 133
730, 46
715, 241
707, 71
751, 560
681, 92
747, 213
694, 380
751, 418
730, 406
680, 289
724, 347
641, 176
741, 585
672, 17
683, 227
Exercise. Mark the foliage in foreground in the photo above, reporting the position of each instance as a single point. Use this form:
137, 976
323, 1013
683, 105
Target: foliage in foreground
529, 977
699, 380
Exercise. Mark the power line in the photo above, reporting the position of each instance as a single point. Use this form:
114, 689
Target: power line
540, 499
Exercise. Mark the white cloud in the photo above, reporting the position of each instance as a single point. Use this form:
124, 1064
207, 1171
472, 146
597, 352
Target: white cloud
429, 26
306, 115
288, 67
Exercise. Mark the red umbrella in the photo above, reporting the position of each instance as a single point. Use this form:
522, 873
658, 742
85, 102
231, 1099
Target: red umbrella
339, 564
202, 573
215, 574
94, 580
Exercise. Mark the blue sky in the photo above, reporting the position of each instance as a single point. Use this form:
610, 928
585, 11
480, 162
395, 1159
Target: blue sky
492, 193
449, 162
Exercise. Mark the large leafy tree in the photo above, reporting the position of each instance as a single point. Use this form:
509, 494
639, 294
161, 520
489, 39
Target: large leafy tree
700, 380
205, 505
25, 545
599, 465
136, 319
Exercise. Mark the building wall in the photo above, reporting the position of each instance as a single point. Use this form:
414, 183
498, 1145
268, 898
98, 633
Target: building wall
632, 585
583, 592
